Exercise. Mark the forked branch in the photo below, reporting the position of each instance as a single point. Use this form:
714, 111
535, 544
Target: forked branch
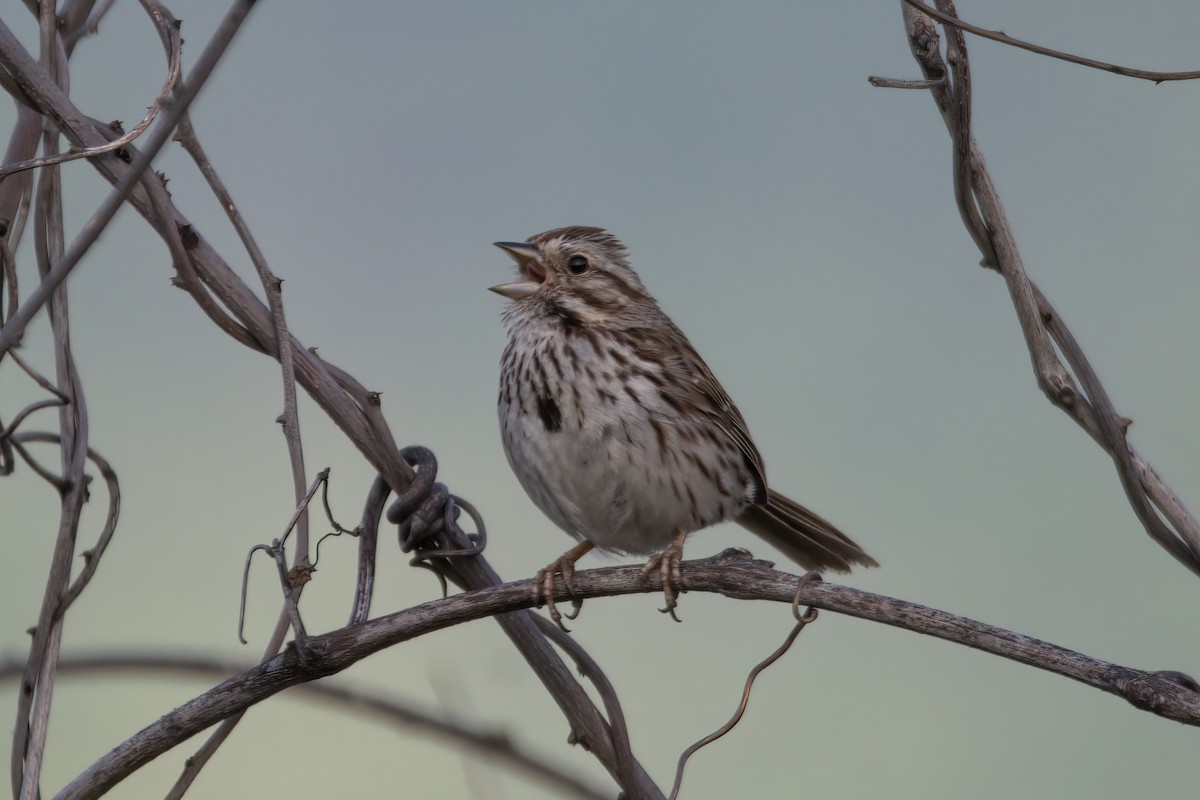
1076, 390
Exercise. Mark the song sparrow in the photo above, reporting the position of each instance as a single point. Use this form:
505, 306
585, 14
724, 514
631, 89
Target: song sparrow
617, 429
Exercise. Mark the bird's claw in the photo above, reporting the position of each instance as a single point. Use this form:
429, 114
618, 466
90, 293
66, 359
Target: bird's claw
666, 564
543, 590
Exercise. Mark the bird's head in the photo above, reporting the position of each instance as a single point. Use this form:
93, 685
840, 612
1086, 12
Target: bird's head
578, 273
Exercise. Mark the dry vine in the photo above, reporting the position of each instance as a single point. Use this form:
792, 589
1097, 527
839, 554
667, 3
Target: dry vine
426, 512
235, 309
1076, 391
495, 746
734, 573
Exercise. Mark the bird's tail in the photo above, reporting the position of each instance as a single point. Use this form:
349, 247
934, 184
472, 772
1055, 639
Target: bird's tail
802, 536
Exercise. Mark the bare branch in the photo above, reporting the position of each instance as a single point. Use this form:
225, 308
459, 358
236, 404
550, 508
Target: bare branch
38, 681
272, 286
626, 764
90, 23
289, 616
1003, 38
496, 746
17, 62
14, 191
96, 553
899, 83
1045, 333
173, 74
733, 573
35, 82
350, 405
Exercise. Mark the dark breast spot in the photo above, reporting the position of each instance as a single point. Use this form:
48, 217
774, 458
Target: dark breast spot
549, 414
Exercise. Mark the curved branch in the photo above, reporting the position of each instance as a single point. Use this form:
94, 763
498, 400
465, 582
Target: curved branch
17, 63
733, 573
1077, 392
91, 557
498, 747
28, 748
173, 72
626, 764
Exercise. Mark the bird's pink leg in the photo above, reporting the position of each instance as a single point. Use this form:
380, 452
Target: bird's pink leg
667, 564
543, 583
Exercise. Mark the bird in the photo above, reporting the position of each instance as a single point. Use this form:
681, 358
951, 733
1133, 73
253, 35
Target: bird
618, 430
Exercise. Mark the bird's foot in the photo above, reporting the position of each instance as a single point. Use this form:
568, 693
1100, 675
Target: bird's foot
543, 584
667, 565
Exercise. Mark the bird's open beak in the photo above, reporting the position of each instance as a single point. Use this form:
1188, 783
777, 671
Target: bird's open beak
531, 270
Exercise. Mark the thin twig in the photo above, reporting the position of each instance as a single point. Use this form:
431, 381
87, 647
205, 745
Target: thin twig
74, 17
802, 621
899, 83
618, 728
290, 616
120, 142
57, 481
1003, 38
273, 287
93, 556
348, 404
10, 51
14, 191
90, 25
33, 710
11, 429
368, 540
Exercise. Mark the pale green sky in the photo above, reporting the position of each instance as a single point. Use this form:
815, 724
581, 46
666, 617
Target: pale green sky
799, 225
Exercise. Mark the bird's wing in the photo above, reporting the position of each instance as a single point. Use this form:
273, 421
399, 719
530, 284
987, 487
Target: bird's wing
692, 385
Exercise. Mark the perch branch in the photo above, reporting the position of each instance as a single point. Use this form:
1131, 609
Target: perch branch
1168, 694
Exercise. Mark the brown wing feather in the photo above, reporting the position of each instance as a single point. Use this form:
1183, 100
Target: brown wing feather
806, 538
698, 388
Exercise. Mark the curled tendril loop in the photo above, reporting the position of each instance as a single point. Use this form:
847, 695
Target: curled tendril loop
810, 613
426, 516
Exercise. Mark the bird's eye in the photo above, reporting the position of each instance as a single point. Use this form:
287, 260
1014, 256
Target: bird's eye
577, 265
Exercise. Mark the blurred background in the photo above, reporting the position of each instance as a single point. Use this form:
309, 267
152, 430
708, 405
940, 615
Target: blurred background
800, 226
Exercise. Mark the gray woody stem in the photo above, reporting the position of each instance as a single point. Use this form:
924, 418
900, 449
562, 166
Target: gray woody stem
495, 747
1077, 391
223, 295
733, 573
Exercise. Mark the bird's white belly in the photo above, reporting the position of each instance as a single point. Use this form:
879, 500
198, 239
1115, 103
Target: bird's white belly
613, 467
581, 478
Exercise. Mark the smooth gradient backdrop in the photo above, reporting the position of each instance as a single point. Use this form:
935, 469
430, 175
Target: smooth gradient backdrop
800, 226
